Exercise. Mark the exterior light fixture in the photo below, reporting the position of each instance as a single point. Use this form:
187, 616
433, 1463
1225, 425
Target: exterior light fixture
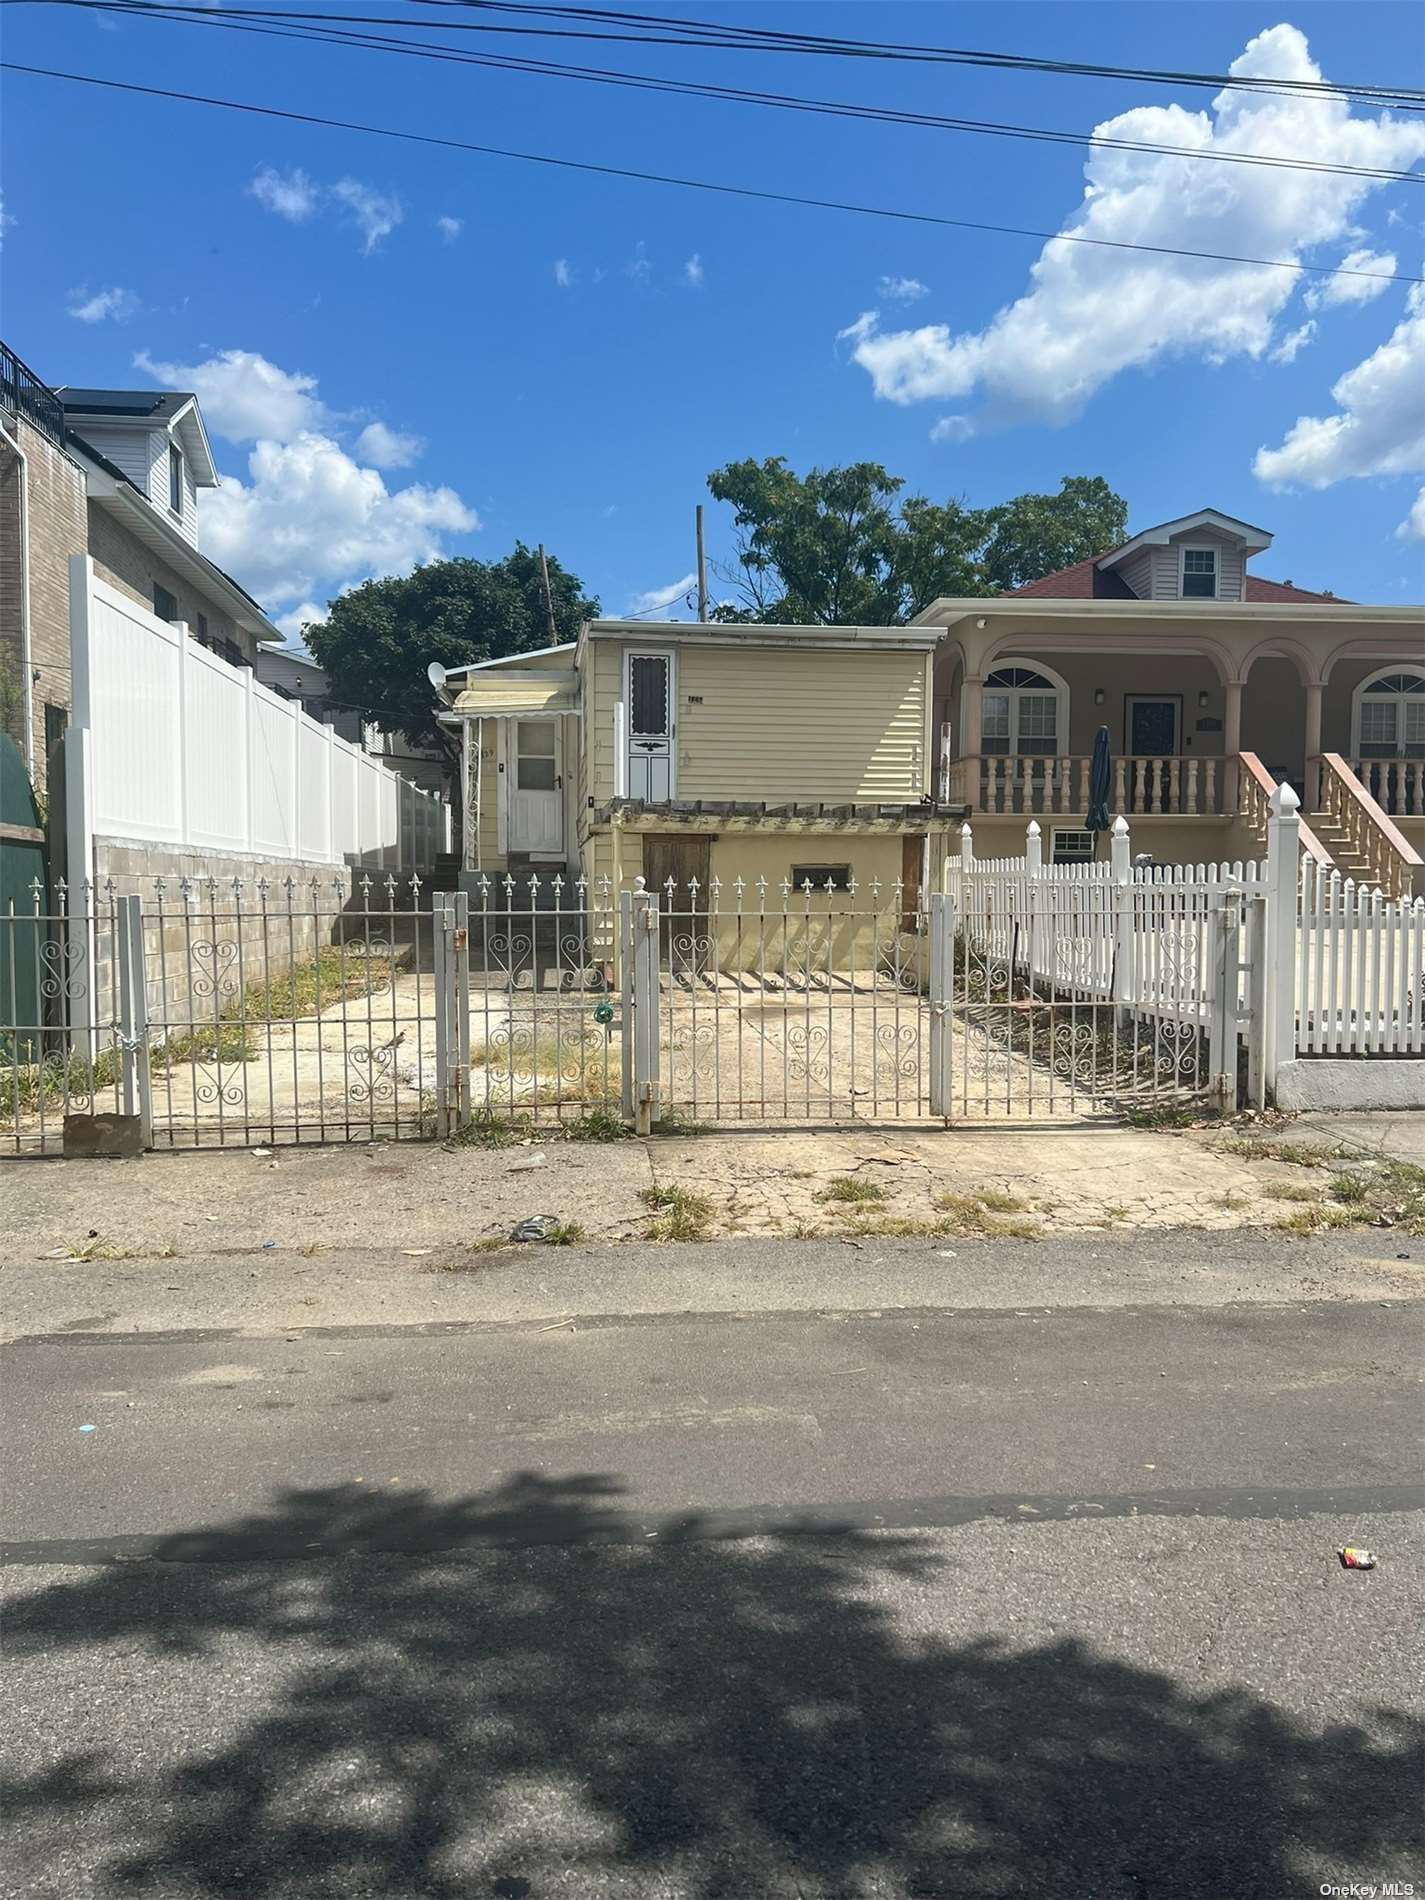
1098, 695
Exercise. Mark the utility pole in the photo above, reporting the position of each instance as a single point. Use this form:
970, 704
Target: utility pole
548, 599
702, 570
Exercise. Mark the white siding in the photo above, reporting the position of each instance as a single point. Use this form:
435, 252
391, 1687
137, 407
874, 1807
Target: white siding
128, 448
1137, 573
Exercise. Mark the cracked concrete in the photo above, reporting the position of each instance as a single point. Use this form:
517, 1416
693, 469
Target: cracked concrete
418, 1198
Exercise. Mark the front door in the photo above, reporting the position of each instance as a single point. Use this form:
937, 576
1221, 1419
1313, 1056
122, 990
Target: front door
650, 727
536, 789
1152, 727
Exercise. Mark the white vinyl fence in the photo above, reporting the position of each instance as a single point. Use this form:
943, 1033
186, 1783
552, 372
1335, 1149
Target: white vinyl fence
180, 748
1360, 968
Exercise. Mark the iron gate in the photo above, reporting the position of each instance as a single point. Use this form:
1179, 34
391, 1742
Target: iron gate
230, 1015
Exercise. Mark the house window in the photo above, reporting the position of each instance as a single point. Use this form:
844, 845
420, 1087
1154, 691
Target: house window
1199, 573
1021, 712
821, 877
1071, 847
1390, 715
165, 605
175, 479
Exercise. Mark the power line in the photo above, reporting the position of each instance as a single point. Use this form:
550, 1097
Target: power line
696, 184
775, 39
245, 19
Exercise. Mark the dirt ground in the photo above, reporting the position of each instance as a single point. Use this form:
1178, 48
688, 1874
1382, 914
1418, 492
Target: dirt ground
424, 1195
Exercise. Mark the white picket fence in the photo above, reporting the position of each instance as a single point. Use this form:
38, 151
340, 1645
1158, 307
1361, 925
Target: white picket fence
181, 748
1138, 935
1360, 974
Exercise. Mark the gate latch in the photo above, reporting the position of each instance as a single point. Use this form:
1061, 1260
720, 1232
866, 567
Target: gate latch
460, 938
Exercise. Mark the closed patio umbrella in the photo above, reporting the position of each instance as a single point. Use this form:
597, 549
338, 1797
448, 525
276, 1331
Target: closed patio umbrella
1100, 783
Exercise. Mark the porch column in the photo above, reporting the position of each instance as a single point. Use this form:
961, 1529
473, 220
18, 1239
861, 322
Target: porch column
1231, 743
1314, 691
972, 691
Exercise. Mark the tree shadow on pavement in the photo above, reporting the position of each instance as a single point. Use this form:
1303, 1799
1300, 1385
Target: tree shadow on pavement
507, 1697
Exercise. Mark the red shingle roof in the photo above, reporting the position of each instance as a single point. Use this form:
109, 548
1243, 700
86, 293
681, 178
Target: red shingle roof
1085, 580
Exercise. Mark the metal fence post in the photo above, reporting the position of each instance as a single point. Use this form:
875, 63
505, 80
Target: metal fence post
440, 984
1283, 860
942, 984
136, 1078
459, 914
644, 985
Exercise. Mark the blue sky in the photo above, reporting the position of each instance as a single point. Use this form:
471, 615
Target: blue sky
565, 357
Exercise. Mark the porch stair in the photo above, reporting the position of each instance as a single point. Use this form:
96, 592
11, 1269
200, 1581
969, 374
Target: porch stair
1364, 841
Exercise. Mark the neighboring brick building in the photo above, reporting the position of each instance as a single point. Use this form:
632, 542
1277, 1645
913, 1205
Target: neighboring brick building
42, 523
114, 474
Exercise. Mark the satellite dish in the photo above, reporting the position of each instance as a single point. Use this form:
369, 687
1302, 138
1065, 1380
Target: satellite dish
435, 673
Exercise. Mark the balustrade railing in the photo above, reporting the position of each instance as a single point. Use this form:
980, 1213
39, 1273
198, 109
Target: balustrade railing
1182, 786
1366, 828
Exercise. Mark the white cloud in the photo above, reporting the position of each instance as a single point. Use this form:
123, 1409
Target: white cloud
114, 302
865, 326
563, 273
290, 194
693, 272
8, 220
450, 228
243, 396
902, 289
638, 266
375, 213
1413, 526
1379, 427
308, 516
952, 429
388, 448
1089, 313
657, 597
1334, 290
1293, 343
304, 616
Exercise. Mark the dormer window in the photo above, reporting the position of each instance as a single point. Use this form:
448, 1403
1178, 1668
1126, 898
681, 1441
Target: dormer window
1199, 573
175, 479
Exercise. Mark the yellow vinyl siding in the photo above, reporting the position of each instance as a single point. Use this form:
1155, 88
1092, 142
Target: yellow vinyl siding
780, 724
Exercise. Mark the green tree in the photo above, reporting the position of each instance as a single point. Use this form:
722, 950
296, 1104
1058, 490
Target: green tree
843, 544
1034, 535
379, 639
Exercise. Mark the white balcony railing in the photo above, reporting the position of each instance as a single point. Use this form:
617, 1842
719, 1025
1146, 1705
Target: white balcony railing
1185, 787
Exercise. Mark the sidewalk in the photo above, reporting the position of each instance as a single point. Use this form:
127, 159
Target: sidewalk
395, 1196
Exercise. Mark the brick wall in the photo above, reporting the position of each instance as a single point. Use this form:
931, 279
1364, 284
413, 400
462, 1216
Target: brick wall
123, 560
58, 529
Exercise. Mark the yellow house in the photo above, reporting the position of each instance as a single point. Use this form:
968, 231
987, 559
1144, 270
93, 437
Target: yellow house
703, 752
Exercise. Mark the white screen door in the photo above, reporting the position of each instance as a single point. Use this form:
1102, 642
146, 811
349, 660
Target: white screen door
536, 791
650, 727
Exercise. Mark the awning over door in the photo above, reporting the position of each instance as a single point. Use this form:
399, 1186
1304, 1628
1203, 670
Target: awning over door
506, 692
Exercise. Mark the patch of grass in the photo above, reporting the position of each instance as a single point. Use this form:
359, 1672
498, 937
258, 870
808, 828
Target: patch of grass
998, 1201
565, 1233
672, 1122
1116, 1213
59, 1078
1350, 1188
206, 1042
984, 1214
679, 1214
1168, 1115
105, 1250
488, 1128
334, 974
1298, 1154
1317, 1219
846, 1190
1290, 1191
598, 1124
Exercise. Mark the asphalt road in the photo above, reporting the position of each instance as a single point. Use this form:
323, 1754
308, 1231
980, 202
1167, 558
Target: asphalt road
918, 1602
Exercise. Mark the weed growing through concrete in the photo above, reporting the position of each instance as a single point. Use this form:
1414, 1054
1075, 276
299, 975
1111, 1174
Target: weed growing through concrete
598, 1124
846, 1190
679, 1214
987, 1214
